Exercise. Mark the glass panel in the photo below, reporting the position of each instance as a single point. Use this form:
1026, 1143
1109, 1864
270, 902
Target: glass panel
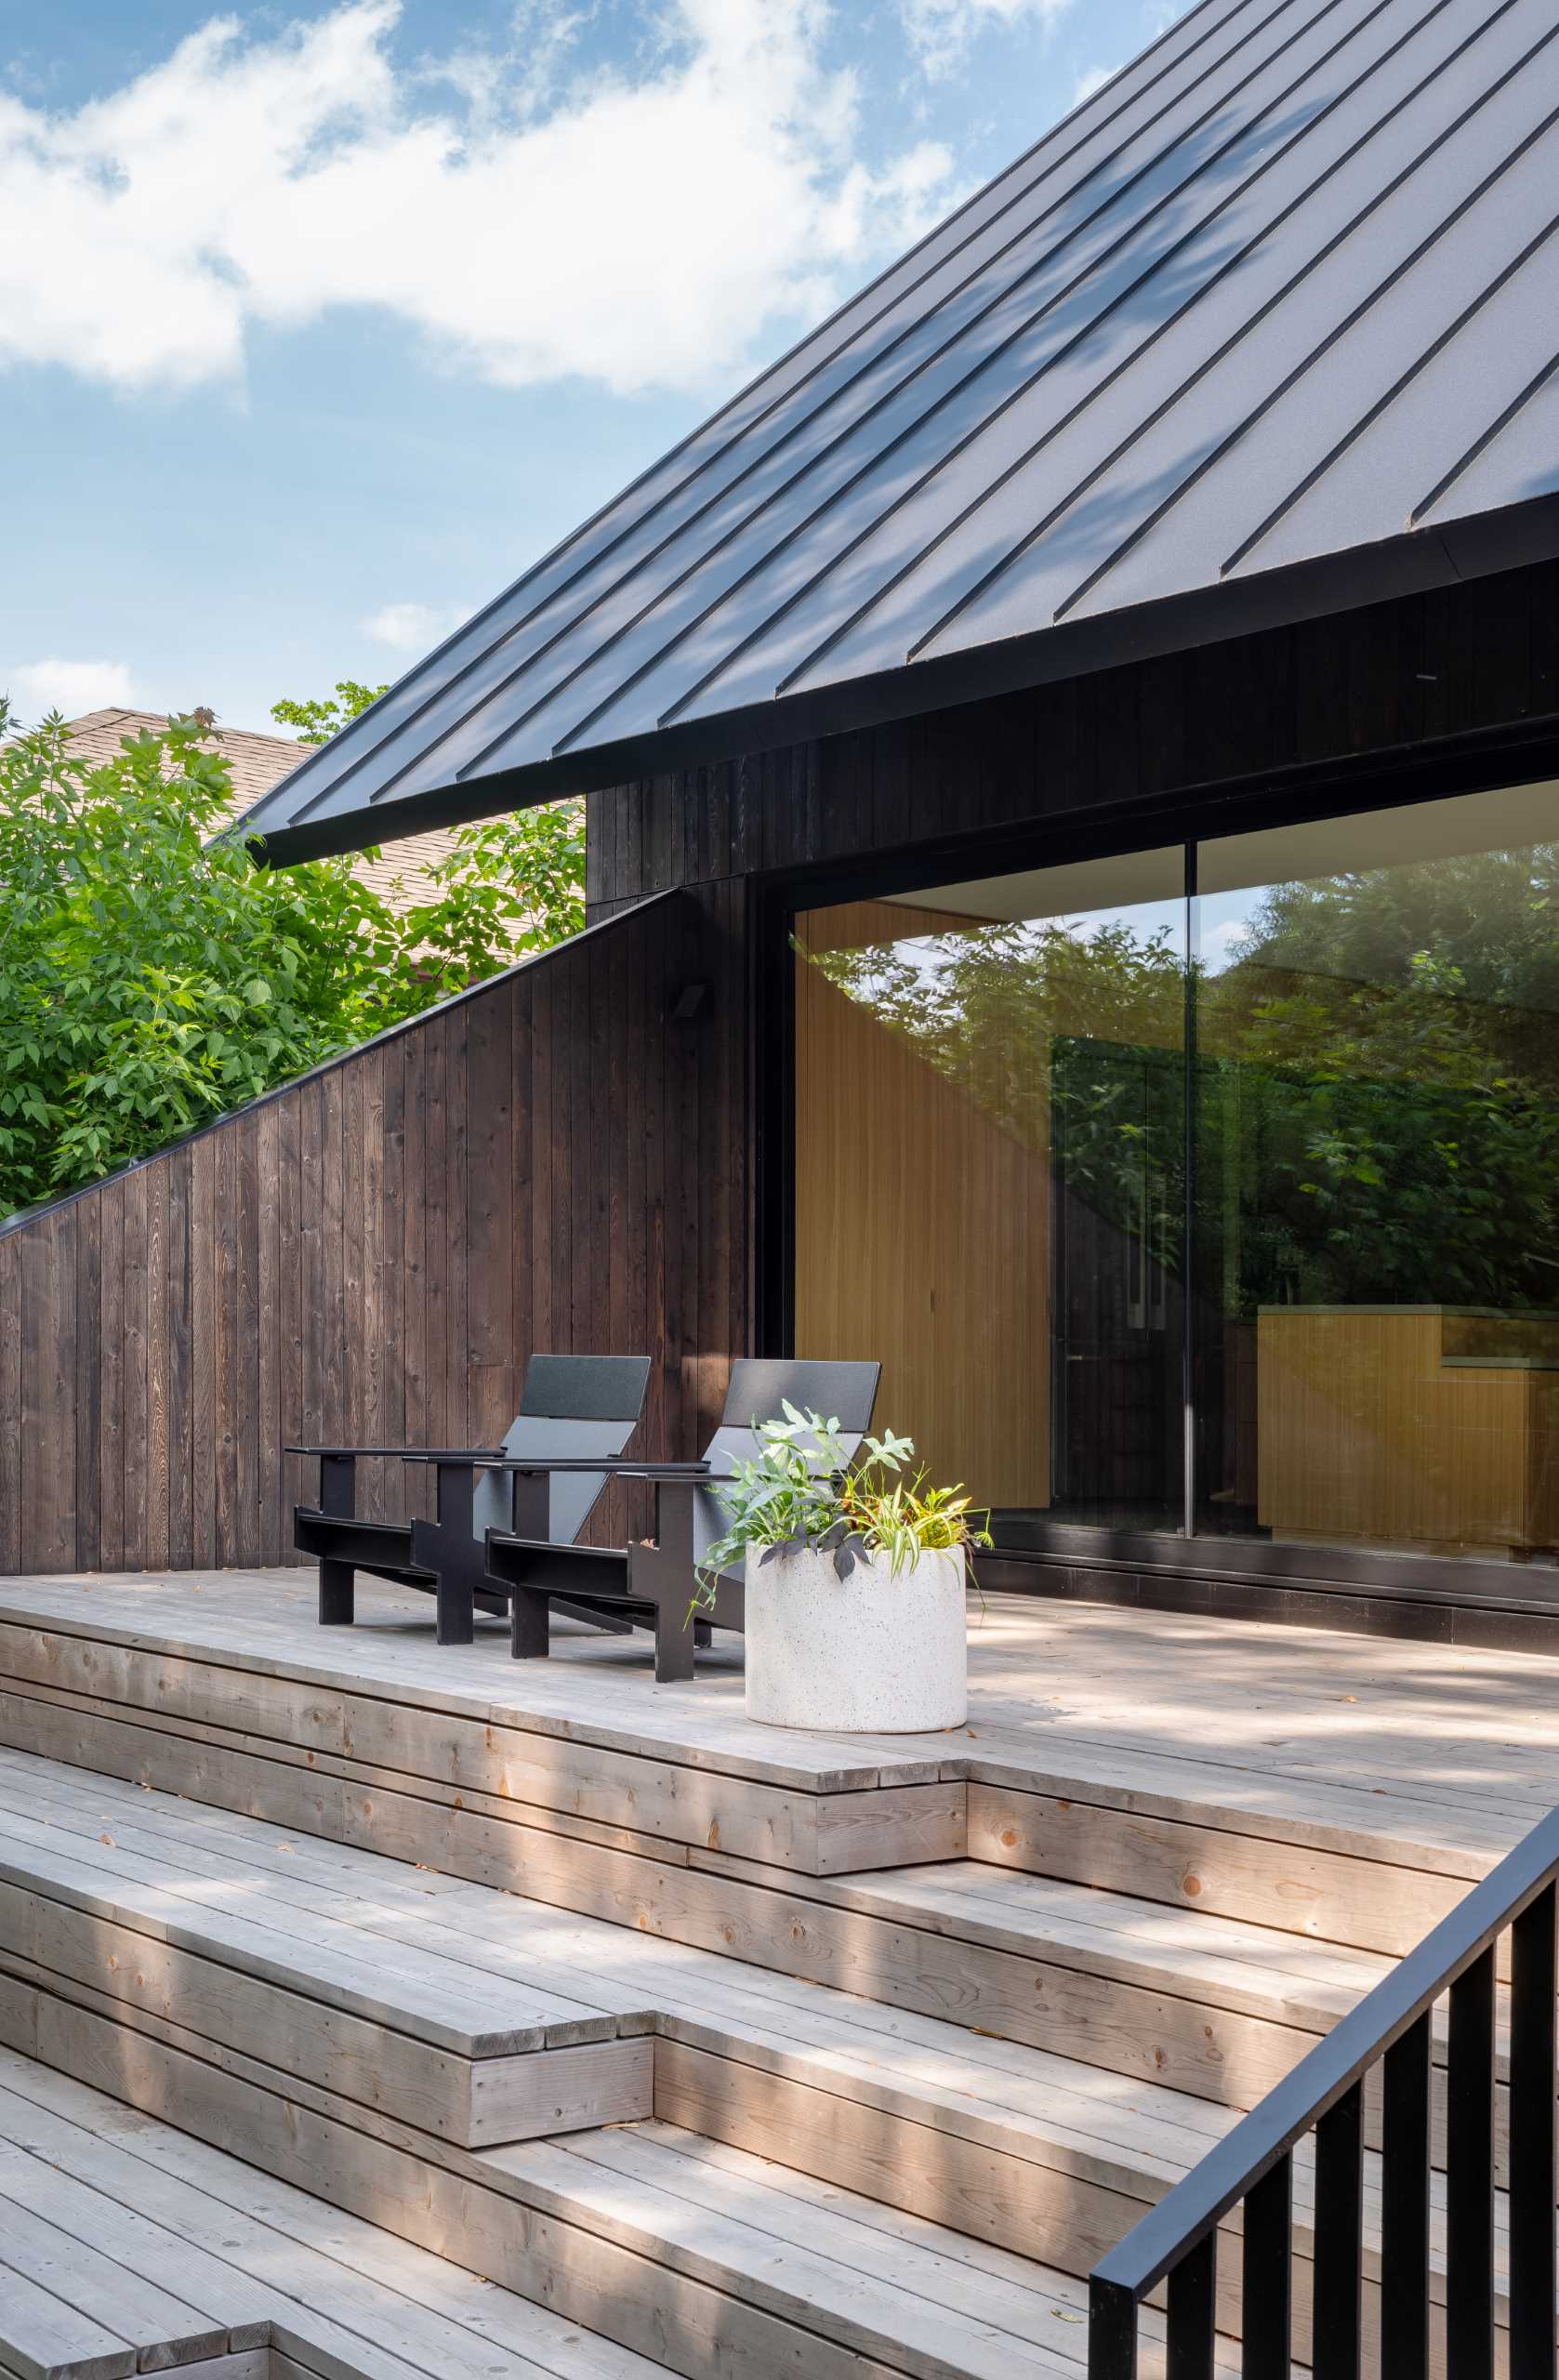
1376, 1329
990, 1180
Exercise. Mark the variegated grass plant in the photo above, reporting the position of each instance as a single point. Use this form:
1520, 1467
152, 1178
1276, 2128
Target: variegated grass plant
800, 1491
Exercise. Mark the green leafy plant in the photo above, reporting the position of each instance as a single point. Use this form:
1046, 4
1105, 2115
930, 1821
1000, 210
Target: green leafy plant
799, 1492
152, 978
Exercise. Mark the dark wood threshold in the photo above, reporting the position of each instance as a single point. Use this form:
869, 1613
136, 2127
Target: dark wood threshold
1298, 1587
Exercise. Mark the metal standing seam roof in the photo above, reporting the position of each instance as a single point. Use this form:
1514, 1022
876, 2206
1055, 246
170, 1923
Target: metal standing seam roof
1268, 326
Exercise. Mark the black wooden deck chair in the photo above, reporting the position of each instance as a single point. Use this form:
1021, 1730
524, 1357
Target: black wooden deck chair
571, 1409
649, 1585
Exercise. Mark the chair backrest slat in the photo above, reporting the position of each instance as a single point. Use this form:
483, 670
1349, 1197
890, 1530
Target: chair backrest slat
571, 1404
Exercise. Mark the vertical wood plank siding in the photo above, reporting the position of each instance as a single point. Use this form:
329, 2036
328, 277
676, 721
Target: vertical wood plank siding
1386, 679
372, 1254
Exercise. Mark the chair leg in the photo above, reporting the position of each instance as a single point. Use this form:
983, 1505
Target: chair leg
453, 1610
673, 1646
703, 1635
336, 1597
530, 1627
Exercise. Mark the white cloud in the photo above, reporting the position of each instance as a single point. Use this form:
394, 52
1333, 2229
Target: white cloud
37, 687
413, 627
942, 31
650, 231
1087, 83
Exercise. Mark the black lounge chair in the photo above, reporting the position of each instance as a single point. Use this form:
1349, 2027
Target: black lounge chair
572, 1408
650, 1586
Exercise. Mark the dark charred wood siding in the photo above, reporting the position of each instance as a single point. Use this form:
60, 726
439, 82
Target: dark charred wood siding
551, 1163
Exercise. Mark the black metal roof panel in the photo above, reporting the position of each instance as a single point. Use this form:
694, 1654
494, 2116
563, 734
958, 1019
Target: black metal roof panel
1269, 324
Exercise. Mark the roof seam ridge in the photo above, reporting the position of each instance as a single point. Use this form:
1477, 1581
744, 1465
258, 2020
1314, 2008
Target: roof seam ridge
1437, 346
1322, 348
1484, 438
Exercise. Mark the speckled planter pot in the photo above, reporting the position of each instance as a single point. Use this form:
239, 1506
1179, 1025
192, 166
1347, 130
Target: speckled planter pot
870, 1653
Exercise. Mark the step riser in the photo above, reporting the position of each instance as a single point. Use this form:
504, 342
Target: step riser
474, 2103
328, 1731
1366, 1904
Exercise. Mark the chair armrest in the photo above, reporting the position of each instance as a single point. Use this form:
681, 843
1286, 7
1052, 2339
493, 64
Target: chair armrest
620, 1466
672, 1474
404, 1454
408, 1455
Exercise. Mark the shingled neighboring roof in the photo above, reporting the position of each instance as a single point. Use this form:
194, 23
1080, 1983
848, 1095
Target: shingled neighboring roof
1267, 327
259, 762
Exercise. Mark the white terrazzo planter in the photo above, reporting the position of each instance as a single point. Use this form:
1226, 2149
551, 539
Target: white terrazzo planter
869, 1653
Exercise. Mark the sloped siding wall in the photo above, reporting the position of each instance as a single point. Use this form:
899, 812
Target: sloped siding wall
369, 1257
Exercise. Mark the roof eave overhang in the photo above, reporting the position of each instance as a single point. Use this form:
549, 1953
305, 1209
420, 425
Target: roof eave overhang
1414, 562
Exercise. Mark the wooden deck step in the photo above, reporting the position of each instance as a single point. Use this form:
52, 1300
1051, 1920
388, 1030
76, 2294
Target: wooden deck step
908, 2294
128, 2247
392, 2023
723, 2261
1004, 2143
1178, 1831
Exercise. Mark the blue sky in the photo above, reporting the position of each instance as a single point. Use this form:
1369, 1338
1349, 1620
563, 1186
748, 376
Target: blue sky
329, 319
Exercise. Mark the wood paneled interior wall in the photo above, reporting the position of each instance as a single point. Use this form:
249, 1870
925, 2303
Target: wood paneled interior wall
922, 1229
1382, 679
553, 1162
1373, 1429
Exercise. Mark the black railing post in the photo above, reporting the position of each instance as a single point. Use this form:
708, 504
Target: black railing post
1266, 2279
1534, 1986
1337, 2326
1405, 2164
1470, 2175
1112, 2332
1193, 2312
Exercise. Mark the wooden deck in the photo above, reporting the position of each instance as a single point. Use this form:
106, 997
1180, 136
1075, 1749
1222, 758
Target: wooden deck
716, 2039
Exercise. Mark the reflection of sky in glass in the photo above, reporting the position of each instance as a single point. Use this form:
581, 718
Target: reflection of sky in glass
1220, 922
930, 954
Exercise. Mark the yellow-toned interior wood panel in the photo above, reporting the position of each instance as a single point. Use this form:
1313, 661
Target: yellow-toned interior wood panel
1370, 1429
923, 1232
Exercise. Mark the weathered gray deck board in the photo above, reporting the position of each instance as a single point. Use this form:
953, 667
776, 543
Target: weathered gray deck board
261, 2256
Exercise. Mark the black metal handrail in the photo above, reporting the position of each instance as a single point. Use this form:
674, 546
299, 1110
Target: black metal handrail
1177, 2239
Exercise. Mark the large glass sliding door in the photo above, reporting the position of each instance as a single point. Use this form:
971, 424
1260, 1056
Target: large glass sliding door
990, 1178
1265, 1130
1377, 1161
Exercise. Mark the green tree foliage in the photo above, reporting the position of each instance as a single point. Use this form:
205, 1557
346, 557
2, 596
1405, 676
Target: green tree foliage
318, 721
151, 977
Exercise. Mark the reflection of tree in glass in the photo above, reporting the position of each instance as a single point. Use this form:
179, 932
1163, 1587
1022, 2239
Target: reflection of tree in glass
1061, 1037
1378, 1076
1380, 1120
